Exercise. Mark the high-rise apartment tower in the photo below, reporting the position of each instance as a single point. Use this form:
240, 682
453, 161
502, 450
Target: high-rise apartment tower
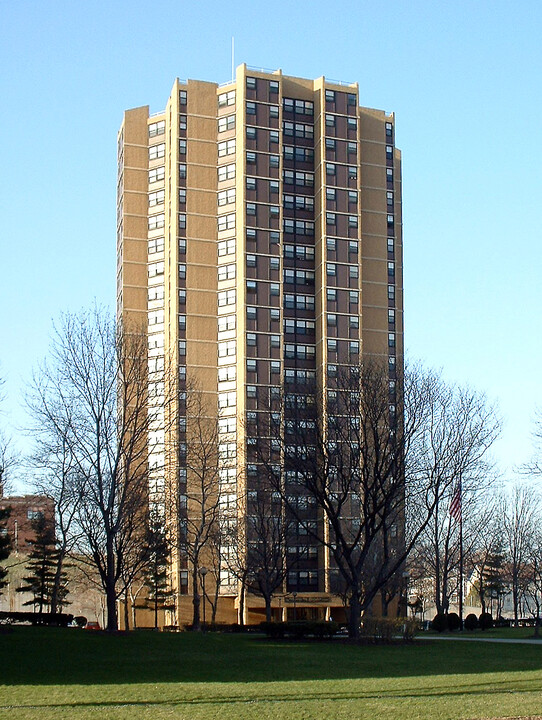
259, 237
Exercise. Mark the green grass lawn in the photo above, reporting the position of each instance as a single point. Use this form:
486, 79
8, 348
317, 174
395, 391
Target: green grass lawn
55, 673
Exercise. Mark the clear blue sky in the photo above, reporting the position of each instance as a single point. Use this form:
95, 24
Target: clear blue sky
462, 77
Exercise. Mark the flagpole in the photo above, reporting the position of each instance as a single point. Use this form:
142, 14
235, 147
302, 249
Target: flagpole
460, 554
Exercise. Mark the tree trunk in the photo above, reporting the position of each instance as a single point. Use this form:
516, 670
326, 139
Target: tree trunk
196, 621
242, 603
56, 582
110, 591
268, 615
126, 611
354, 616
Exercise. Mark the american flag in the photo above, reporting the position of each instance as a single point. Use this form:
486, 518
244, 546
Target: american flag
455, 504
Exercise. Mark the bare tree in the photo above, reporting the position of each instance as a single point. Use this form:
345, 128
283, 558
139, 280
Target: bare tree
197, 501
520, 513
94, 394
373, 454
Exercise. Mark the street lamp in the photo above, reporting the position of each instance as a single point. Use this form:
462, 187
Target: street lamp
294, 594
203, 572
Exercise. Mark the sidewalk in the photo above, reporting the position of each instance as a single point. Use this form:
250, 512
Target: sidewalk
462, 638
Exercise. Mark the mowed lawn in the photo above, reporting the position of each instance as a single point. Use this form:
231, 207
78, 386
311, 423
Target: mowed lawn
57, 673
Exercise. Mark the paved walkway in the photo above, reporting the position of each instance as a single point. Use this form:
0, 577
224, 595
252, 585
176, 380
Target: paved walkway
525, 641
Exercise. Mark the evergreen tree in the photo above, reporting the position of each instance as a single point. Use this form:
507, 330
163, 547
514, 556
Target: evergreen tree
42, 565
156, 581
5, 546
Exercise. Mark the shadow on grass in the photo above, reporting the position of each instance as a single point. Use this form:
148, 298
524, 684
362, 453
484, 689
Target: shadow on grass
51, 656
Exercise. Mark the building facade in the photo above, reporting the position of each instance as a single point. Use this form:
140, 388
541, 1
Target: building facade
259, 236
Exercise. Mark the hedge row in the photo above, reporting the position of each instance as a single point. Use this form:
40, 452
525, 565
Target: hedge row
58, 619
299, 630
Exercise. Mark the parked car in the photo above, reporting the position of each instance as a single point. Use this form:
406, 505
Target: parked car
92, 625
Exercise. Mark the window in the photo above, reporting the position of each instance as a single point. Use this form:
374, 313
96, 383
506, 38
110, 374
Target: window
226, 272
353, 221
157, 128
353, 347
275, 366
182, 97
226, 123
273, 187
351, 148
352, 123
391, 269
353, 321
274, 263
251, 133
274, 237
252, 287
274, 341
390, 222
331, 345
251, 391
274, 161
389, 198
182, 147
273, 111
273, 137
156, 174
227, 98
251, 83
351, 99
389, 129
352, 197
331, 244
182, 221
331, 218
353, 247
225, 197
274, 314
331, 269
226, 172
226, 147
251, 312
157, 151
182, 196
226, 247
182, 171
251, 158
274, 211
251, 339
352, 172
251, 108
156, 198
227, 374
226, 349
330, 144
390, 245
330, 120
156, 221
251, 365
391, 292
353, 271
391, 340
389, 152
251, 234
182, 297
331, 319
226, 322
330, 169
156, 245
182, 122
251, 208
251, 260
330, 96
331, 294
353, 297
331, 194
226, 297
226, 222
182, 322
274, 289
182, 271
227, 399
391, 317
182, 347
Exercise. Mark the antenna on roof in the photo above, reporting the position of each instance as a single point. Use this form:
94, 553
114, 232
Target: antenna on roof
232, 60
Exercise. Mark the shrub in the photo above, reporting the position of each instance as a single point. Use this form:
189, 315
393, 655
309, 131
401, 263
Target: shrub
471, 622
486, 621
385, 629
454, 622
440, 622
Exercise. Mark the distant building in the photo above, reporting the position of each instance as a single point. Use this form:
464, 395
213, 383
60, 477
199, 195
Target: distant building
25, 509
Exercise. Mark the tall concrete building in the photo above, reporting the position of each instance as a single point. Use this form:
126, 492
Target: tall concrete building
259, 237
